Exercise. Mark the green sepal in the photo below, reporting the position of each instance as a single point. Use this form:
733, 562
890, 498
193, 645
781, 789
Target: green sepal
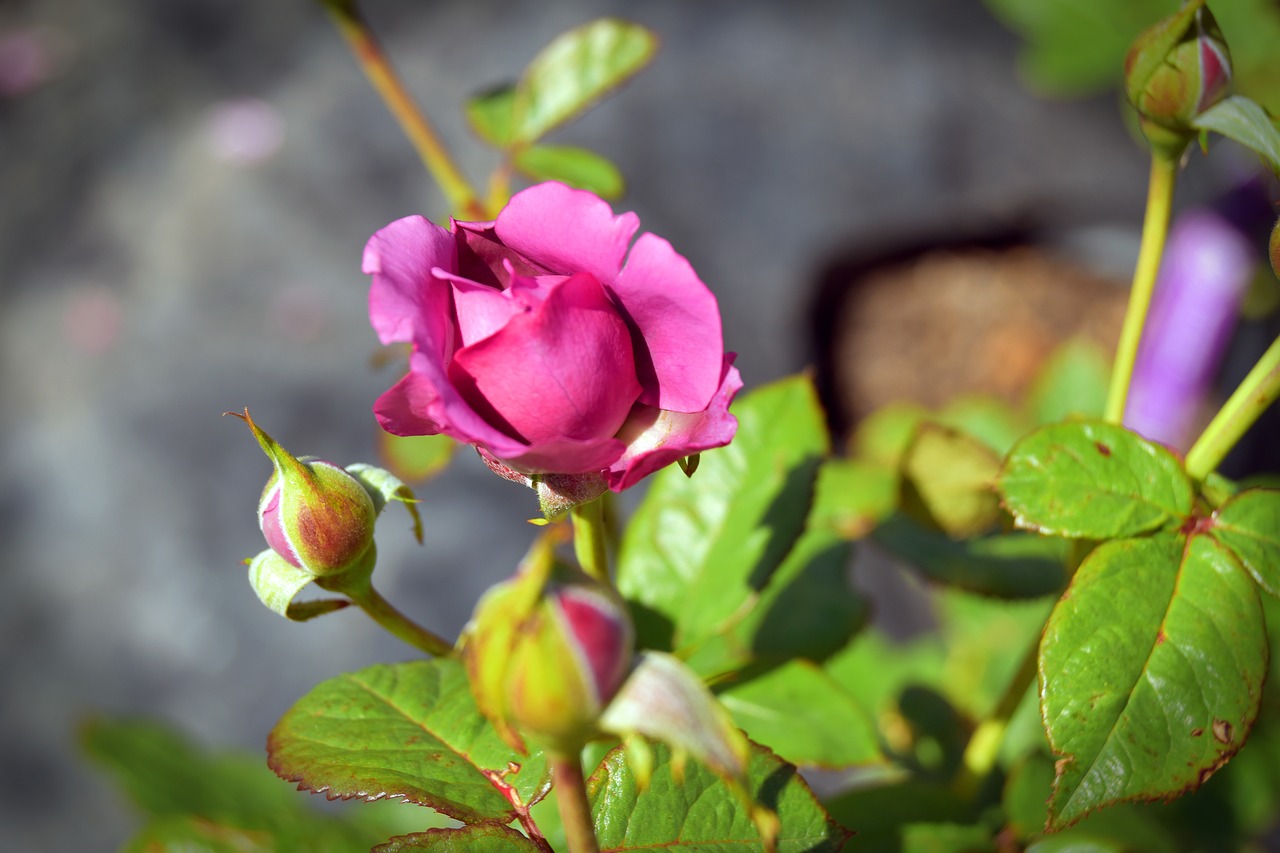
1243, 121
1151, 49
277, 583
384, 487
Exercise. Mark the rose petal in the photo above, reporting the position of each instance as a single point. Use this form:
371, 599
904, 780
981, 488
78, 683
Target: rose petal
655, 438
482, 257
568, 456
414, 406
677, 323
567, 231
481, 310
400, 258
563, 369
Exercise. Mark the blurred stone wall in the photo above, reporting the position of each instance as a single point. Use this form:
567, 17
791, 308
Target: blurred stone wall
187, 186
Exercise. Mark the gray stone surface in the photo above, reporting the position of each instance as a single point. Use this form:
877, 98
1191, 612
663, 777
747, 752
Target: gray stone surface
149, 284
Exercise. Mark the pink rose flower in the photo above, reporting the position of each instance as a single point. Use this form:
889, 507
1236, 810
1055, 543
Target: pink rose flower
551, 342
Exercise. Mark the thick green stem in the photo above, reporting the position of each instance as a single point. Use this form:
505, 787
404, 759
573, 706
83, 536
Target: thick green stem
1155, 228
359, 588
1258, 391
983, 749
457, 189
571, 794
591, 539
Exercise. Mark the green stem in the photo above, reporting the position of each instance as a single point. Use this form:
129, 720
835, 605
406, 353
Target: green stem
457, 189
358, 586
571, 794
1258, 391
983, 749
1155, 228
591, 539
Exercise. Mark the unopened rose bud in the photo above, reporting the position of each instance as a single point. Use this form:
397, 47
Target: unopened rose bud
1175, 71
547, 651
314, 514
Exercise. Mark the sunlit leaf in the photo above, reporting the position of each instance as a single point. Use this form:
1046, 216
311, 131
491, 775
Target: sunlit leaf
1151, 671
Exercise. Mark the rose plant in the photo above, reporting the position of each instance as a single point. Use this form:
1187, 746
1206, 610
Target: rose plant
1116, 650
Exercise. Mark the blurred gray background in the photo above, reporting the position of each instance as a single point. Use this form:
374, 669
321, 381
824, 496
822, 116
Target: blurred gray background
187, 186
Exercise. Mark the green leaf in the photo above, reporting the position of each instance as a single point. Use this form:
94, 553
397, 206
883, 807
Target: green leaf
225, 800
699, 548
1243, 121
853, 497
1072, 383
1151, 671
989, 420
883, 813
416, 457
700, 813
408, 730
1249, 524
575, 70
1004, 565
803, 715
481, 838
883, 436
492, 115
576, 167
1093, 480
948, 481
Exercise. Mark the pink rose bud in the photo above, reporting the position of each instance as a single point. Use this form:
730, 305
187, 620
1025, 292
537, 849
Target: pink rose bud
315, 515
551, 341
547, 651
1176, 70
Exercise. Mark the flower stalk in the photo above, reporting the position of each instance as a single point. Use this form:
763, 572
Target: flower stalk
1257, 392
571, 795
413, 121
358, 586
591, 540
1155, 230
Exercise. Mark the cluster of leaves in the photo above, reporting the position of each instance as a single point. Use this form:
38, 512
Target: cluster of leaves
1152, 663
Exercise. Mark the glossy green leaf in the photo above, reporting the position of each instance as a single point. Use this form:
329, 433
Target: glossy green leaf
1249, 524
416, 457
408, 730
491, 115
479, 838
853, 497
575, 70
695, 812
948, 481
1072, 383
1243, 121
699, 548
576, 167
1151, 671
1005, 565
1093, 480
803, 715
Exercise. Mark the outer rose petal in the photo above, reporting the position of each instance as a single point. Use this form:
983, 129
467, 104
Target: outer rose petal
400, 258
567, 456
414, 406
561, 370
656, 438
567, 231
677, 321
